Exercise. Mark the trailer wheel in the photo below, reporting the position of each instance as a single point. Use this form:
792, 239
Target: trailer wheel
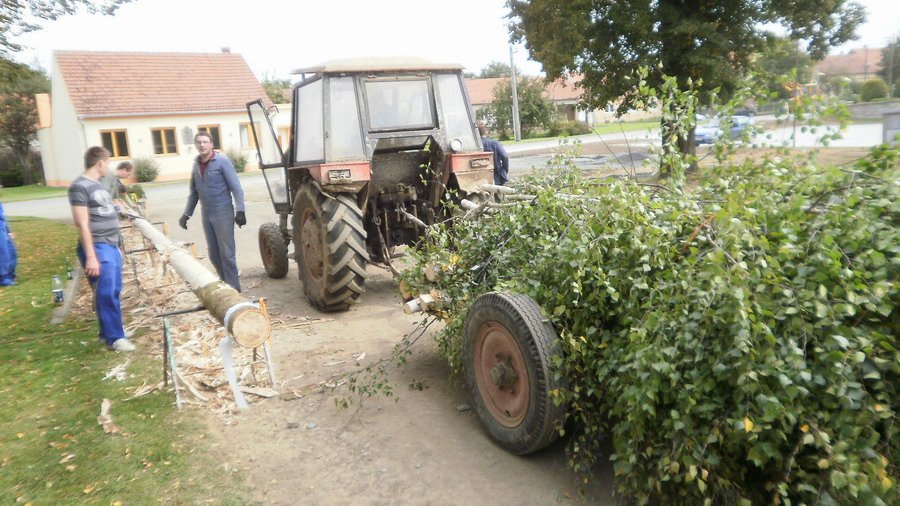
507, 348
273, 249
330, 245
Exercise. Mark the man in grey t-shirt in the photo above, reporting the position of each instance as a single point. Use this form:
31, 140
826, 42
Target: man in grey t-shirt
98, 245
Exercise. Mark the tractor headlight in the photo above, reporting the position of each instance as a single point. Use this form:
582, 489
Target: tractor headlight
455, 145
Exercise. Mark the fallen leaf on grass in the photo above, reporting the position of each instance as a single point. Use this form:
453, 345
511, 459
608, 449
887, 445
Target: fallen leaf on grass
88, 489
67, 457
70, 467
105, 419
20, 435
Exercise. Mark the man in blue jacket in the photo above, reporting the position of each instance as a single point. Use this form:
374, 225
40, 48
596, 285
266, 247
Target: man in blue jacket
501, 159
213, 183
8, 257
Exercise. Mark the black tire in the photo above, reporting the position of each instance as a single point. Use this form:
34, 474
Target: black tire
330, 248
273, 248
496, 320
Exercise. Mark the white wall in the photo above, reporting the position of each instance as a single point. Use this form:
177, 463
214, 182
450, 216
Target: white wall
140, 142
62, 146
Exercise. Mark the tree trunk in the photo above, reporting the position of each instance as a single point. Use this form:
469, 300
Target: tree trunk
249, 326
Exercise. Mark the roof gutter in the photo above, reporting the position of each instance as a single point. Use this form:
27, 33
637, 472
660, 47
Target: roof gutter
160, 113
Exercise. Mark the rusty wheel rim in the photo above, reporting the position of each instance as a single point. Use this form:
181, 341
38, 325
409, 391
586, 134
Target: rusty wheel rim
268, 256
311, 245
500, 374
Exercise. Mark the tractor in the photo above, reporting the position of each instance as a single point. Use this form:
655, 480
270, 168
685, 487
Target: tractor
377, 148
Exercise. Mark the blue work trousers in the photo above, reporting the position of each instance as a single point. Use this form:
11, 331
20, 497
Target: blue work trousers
107, 287
219, 231
8, 258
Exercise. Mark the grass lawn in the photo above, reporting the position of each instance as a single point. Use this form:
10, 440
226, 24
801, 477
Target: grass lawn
30, 192
52, 450
601, 129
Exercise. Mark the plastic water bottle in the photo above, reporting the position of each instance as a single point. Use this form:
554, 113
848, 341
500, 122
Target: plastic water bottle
69, 269
57, 286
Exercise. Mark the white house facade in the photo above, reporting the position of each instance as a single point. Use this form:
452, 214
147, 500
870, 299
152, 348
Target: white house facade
144, 105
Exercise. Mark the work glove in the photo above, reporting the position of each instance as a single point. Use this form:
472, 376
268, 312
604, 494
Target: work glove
182, 222
240, 218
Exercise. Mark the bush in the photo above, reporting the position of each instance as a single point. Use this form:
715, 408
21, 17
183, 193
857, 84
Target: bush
565, 127
239, 158
873, 89
145, 169
737, 345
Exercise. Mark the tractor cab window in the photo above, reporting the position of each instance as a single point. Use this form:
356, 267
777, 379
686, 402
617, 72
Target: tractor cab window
309, 123
457, 121
346, 136
399, 104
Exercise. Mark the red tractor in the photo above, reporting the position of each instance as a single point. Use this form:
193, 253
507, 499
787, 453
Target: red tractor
377, 149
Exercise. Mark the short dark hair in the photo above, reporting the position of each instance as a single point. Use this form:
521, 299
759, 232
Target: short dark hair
125, 166
482, 130
204, 133
94, 154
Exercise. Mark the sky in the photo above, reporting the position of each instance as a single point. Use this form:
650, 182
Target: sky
277, 36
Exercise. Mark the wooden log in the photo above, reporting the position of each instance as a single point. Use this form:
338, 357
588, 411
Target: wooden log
244, 320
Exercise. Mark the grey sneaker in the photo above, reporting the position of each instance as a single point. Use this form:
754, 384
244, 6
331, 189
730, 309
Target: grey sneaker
122, 345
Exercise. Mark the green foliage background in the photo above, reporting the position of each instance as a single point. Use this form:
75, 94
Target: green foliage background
737, 345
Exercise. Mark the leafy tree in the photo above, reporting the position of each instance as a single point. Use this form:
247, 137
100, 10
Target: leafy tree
275, 88
712, 43
18, 112
781, 60
891, 52
494, 69
536, 112
16, 16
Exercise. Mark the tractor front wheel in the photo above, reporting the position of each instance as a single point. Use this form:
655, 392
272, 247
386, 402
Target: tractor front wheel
507, 349
330, 245
273, 249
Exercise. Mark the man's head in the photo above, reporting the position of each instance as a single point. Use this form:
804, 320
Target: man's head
482, 130
123, 170
203, 141
97, 156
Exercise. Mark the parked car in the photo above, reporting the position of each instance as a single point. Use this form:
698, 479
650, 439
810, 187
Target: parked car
709, 130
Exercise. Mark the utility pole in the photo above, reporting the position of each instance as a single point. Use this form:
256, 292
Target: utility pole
517, 128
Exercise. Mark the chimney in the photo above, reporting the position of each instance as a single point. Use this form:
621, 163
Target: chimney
226, 50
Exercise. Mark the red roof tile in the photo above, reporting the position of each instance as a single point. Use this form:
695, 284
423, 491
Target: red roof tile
481, 91
124, 84
852, 63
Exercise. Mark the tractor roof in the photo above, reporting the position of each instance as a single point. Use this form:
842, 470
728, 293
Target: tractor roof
376, 64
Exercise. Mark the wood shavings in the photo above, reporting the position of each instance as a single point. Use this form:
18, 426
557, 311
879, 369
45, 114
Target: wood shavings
118, 372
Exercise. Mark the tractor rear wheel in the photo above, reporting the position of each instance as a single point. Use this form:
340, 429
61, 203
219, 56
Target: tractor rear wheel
330, 246
507, 349
273, 248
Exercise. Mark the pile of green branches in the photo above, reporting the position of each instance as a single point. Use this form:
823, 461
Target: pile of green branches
737, 344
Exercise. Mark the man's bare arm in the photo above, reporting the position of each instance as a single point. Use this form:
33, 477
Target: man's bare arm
82, 222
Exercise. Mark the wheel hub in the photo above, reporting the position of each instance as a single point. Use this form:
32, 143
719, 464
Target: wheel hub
500, 374
311, 244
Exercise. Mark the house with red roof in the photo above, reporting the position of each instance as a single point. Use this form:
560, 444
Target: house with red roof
146, 105
859, 64
565, 95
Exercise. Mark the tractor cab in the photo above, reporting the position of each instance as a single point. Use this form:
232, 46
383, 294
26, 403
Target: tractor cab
377, 141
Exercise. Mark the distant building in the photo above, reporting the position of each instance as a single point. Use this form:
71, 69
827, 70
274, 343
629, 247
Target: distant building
857, 64
143, 105
564, 93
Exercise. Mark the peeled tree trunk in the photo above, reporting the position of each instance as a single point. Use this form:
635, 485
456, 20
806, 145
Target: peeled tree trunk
249, 326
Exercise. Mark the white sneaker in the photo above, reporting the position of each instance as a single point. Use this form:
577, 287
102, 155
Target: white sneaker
122, 345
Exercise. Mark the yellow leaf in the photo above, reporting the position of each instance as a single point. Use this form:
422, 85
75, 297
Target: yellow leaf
117, 503
886, 482
70, 467
20, 435
88, 489
879, 408
748, 424
704, 473
823, 464
804, 428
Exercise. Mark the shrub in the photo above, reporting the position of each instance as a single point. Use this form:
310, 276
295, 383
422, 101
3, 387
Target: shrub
737, 345
565, 127
873, 89
146, 169
239, 158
